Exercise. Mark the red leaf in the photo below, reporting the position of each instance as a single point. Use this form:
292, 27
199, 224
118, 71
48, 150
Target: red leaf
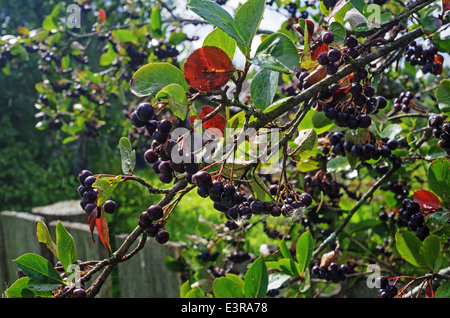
316, 50
102, 15
309, 25
438, 59
427, 200
98, 219
215, 122
208, 68
445, 5
103, 230
91, 220
429, 292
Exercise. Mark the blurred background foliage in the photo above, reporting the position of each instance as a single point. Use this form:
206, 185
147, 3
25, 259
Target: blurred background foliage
42, 149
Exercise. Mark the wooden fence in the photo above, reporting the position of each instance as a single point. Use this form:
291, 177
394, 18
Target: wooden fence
143, 276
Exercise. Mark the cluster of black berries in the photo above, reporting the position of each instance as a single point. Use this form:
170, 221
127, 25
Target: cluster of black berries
403, 102
386, 290
441, 130
399, 188
322, 183
206, 256
331, 58
239, 257
235, 204
333, 273
137, 58
367, 150
351, 47
160, 154
292, 9
89, 195
148, 220
417, 55
166, 52
330, 3
354, 112
411, 215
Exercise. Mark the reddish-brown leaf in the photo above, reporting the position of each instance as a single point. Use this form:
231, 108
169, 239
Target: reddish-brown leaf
102, 15
208, 68
445, 5
427, 200
97, 219
309, 25
103, 230
317, 49
91, 220
217, 121
439, 59
429, 292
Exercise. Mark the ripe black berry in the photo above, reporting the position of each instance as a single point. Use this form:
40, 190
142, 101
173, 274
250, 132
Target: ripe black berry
332, 68
351, 42
328, 38
110, 206
83, 175
162, 237
334, 55
145, 112
155, 212
135, 121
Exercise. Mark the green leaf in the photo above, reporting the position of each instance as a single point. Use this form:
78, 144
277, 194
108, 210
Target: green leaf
320, 122
217, 16
277, 52
124, 35
439, 178
358, 4
106, 186
304, 251
306, 144
277, 280
256, 280
220, 39
248, 18
443, 96
175, 94
263, 87
260, 189
151, 78
65, 245
432, 252
21, 289
195, 292
42, 274
176, 38
443, 291
340, 10
428, 24
155, 22
284, 249
338, 31
437, 220
226, 287
43, 235
391, 131
336, 163
289, 266
127, 155
410, 247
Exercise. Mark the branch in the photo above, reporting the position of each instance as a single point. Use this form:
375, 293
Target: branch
117, 257
290, 102
352, 212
